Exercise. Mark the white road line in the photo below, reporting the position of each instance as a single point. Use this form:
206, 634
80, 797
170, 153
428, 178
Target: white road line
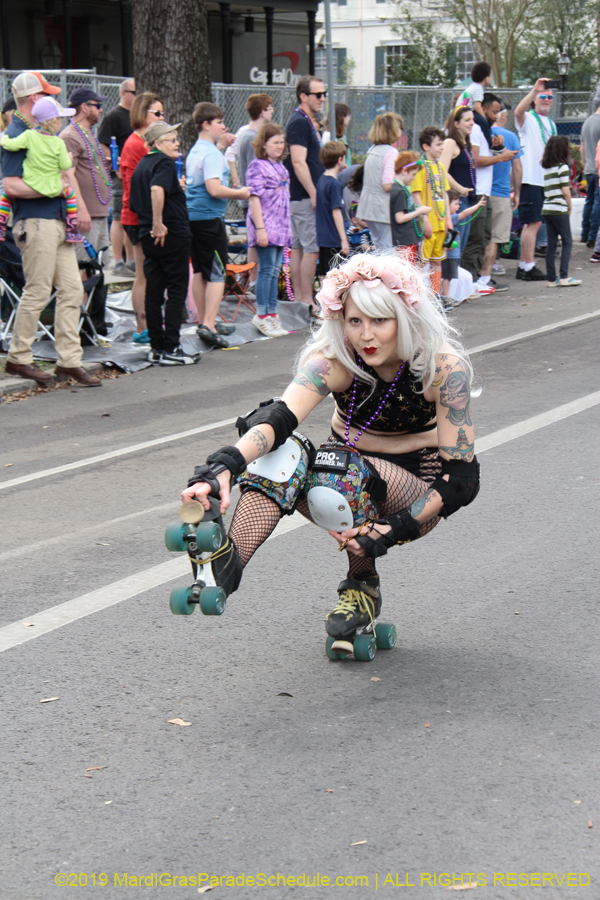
41, 623
526, 334
133, 448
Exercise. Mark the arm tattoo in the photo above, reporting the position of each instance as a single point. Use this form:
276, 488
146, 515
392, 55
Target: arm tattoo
420, 504
463, 450
455, 394
314, 376
258, 438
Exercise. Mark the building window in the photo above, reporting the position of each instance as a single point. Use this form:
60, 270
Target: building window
465, 60
339, 58
383, 57
342, 2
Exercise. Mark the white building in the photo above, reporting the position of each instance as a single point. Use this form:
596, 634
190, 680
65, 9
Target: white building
361, 34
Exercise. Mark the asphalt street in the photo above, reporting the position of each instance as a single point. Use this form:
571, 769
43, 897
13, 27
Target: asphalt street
469, 748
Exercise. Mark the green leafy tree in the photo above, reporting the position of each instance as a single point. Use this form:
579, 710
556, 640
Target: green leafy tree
566, 26
427, 57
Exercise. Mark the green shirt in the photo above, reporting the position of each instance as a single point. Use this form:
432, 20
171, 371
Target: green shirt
46, 156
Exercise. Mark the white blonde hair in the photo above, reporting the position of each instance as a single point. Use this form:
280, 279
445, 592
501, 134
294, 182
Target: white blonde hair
421, 332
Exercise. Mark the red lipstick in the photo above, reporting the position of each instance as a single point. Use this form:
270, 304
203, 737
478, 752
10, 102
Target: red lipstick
369, 350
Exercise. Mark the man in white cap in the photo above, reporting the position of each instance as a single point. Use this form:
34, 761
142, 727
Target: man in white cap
48, 260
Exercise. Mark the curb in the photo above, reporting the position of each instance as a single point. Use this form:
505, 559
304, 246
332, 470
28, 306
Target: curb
14, 384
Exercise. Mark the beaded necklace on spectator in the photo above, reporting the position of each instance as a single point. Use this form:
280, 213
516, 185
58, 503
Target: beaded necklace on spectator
542, 129
431, 183
411, 207
92, 157
310, 121
472, 166
17, 115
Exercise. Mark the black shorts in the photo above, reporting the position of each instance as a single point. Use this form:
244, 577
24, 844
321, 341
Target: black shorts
425, 464
209, 248
133, 233
450, 268
531, 203
326, 255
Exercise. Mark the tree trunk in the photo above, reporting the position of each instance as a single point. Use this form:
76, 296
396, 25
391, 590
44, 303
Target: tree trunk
170, 53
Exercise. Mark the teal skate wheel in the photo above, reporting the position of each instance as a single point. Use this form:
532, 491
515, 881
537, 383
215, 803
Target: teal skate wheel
209, 537
331, 654
385, 636
212, 601
365, 647
174, 536
179, 601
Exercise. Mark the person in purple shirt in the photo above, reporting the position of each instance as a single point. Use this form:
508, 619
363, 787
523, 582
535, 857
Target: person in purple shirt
268, 222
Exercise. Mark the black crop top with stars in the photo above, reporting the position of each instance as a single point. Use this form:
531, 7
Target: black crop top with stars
406, 411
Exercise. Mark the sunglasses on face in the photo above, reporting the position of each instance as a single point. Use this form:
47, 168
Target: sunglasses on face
546, 96
157, 112
97, 105
318, 94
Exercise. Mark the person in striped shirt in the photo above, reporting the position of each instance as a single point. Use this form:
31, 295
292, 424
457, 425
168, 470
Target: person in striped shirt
556, 210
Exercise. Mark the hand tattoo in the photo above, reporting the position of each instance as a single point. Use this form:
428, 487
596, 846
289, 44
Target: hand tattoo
313, 376
463, 449
455, 394
258, 438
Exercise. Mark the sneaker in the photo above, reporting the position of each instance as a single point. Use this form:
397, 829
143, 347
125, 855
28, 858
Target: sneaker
498, 269
264, 325
178, 357
499, 288
359, 604
154, 357
448, 302
595, 257
532, 275
129, 267
591, 244
142, 338
277, 329
484, 289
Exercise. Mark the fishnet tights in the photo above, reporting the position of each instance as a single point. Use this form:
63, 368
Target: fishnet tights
256, 515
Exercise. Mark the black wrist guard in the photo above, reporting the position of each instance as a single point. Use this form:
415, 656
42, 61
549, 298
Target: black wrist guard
274, 413
404, 529
227, 458
462, 486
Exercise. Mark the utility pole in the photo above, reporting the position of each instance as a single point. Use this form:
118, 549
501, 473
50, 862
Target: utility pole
330, 82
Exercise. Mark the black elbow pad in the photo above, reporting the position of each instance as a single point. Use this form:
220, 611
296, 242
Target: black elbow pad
462, 486
275, 413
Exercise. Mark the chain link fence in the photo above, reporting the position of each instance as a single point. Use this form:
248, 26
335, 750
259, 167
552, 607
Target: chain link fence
418, 106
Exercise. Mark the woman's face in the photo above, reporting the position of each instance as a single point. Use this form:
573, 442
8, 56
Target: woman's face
375, 340
275, 146
465, 124
169, 145
155, 113
346, 122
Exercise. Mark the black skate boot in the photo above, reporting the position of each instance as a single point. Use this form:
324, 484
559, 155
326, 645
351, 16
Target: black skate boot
351, 626
215, 561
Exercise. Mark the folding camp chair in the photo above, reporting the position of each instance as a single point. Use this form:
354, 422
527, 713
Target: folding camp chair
239, 278
12, 282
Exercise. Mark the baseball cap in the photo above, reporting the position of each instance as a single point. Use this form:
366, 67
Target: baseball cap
48, 108
157, 130
9, 104
84, 95
32, 83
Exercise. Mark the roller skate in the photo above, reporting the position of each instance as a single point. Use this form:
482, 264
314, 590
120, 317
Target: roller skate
216, 566
351, 626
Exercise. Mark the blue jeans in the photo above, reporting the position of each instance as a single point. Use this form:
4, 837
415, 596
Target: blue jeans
269, 264
591, 211
462, 228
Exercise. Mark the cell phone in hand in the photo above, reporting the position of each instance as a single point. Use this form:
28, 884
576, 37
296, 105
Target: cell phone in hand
552, 83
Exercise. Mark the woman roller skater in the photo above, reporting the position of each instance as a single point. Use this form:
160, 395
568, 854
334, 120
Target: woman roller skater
401, 450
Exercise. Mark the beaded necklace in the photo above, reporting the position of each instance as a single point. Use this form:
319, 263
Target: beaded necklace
17, 115
432, 183
352, 444
543, 130
310, 121
411, 208
472, 166
92, 157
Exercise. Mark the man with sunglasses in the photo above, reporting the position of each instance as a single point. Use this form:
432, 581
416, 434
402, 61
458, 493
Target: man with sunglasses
305, 169
532, 117
92, 173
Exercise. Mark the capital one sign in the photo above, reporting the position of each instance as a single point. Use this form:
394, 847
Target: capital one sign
280, 76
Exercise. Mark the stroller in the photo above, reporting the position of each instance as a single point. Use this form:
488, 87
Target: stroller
92, 327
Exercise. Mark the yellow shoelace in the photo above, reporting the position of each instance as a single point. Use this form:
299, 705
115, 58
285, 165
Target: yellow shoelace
350, 599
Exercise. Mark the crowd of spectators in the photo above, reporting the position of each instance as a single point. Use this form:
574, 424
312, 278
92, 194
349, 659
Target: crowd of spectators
452, 205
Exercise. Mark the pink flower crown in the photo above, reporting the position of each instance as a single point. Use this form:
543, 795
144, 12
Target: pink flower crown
397, 274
